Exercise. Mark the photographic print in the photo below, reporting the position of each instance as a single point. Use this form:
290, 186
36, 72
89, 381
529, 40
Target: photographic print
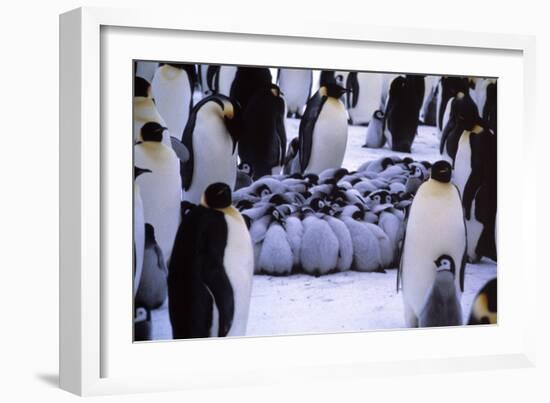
271, 201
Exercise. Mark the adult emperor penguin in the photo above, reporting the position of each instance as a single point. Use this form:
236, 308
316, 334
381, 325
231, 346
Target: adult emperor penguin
210, 136
484, 308
145, 110
475, 175
323, 132
172, 89
365, 96
211, 269
160, 189
402, 111
139, 229
435, 227
263, 141
295, 84
442, 307
152, 289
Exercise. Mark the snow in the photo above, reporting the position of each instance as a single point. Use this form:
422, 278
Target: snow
341, 302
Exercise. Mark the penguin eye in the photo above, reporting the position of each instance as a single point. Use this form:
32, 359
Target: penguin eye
265, 192
388, 199
377, 198
321, 204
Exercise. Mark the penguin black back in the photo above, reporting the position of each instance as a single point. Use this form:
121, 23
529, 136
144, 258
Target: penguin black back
247, 81
196, 277
263, 139
141, 87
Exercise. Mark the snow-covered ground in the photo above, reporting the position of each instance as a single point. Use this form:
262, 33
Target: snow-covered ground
349, 301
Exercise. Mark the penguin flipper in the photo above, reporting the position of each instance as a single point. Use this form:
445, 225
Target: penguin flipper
307, 125
186, 167
215, 278
281, 133
179, 149
475, 179
400, 268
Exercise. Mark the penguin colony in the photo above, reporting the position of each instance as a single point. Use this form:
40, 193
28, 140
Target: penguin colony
220, 194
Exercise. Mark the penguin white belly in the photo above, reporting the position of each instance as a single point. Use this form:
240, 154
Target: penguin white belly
172, 92
238, 261
203, 70
435, 227
213, 158
294, 230
295, 84
139, 236
370, 97
463, 162
330, 137
146, 111
226, 75
160, 191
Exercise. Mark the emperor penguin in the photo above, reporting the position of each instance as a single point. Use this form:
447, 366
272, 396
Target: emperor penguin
484, 308
364, 97
319, 247
172, 89
402, 111
427, 111
435, 227
145, 110
211, 269
152, 289
263, 141
323, 132
139, 229
375, 131
210, 136
295, 84
276, 255
442, 306
448, 87
475, 175
161, 189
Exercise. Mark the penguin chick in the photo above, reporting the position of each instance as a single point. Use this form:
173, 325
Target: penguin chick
152, 289
375, 131
442, 307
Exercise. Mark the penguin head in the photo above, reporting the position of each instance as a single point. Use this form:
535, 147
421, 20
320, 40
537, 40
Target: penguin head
484, 307
416, 172
465, 111
232, 118
138, 171
278, 199
380, 197
149, 233
142, 88
445, 262
441, 171
312, 179
217, 195
386, 162
263, 191
246, 168
152, 131
332, 90
275, 90
319, 205
244, 204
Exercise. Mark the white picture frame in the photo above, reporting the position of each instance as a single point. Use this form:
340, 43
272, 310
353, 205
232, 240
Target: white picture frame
96, 354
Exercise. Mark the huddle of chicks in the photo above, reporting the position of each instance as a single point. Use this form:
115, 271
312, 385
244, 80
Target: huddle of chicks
331, 222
